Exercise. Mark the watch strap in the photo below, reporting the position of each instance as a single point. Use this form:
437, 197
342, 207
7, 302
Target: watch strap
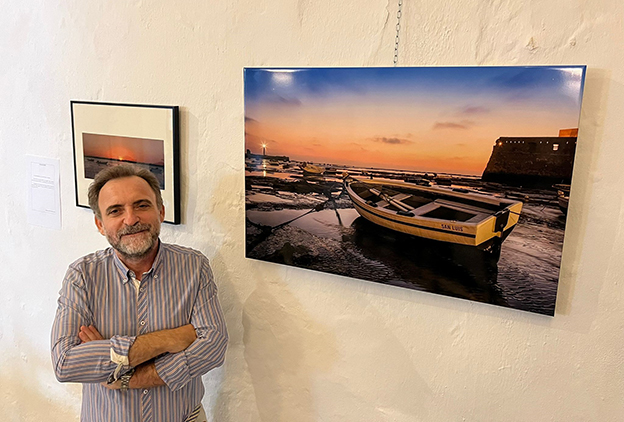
125, 380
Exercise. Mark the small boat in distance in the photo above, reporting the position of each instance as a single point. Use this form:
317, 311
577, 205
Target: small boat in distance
311, 169
563, 197
417, 180
457, 216
444, 180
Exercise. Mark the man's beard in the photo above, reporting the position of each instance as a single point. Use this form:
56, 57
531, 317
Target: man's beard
135, 247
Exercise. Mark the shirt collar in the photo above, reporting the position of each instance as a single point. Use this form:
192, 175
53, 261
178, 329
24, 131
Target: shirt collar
126, 273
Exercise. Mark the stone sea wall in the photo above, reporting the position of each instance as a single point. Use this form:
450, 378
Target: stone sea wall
531, 161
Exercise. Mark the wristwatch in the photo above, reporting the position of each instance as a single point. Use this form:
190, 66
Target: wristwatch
125, 379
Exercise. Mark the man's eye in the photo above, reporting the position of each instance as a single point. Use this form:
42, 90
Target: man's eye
113, 212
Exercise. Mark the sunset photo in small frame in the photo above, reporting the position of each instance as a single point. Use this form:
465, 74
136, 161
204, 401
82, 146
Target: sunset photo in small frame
109, 134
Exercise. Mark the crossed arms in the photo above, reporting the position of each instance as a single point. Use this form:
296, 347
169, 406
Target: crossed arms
171, 357
144, 349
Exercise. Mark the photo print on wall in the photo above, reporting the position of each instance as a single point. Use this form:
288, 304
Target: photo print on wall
448, 180
147, 136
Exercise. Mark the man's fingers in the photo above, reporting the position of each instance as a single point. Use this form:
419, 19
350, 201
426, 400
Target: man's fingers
89, 333
114, 386
94, 333
86, 334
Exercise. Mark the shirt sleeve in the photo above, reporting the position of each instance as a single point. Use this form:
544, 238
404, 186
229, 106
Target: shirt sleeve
208, 351
87, 362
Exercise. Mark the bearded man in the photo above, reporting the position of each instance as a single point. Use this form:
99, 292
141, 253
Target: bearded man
139, 323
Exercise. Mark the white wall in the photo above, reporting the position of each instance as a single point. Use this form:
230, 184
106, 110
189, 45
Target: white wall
307, 346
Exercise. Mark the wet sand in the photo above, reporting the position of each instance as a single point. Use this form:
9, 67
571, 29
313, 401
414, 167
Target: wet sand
310, 222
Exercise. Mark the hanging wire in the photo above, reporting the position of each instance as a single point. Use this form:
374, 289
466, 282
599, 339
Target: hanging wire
396, 39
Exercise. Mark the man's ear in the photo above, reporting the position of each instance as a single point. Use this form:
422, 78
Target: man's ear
162, 213
99, 225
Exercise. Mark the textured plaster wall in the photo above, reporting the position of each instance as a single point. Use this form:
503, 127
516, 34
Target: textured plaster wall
307, 346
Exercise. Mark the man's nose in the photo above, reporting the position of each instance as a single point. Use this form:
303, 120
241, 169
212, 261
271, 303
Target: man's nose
131, 217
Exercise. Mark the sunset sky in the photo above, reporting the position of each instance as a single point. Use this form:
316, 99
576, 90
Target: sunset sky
425, 119
139, 150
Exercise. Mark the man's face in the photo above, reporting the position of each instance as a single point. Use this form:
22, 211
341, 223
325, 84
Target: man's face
130, 217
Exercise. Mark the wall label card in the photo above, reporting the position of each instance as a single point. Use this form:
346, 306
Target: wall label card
44, 198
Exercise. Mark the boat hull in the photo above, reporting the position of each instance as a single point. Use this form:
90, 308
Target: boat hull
312, 170
563, 197
482, 233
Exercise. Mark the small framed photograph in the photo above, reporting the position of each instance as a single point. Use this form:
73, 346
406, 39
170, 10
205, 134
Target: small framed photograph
108, 134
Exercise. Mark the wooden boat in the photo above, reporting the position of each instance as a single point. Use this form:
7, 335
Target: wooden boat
457, 216
311, 169
563, 197
444, 180
417, 180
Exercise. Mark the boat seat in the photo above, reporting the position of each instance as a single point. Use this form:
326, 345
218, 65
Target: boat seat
401, 197
463, 207
425, 208
478, 218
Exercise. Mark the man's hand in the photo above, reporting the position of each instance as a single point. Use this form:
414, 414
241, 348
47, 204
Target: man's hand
145, 376
89, 333
112, 386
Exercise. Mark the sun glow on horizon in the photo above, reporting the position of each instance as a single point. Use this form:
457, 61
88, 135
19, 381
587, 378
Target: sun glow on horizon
430, 119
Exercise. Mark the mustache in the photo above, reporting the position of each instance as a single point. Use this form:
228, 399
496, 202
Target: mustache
134, 229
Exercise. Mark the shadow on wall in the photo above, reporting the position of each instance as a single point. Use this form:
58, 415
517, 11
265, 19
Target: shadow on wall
31, 393
284, 350
283, 364
275, 349
223, 386
587, 172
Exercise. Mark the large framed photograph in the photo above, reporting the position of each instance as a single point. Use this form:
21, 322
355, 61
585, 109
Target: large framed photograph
109, 134
447, 180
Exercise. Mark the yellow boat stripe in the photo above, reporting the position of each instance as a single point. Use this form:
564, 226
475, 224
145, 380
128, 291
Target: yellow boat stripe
472, 236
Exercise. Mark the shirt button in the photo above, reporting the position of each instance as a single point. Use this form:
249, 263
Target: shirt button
145, 391
156, 277
142, 289
142, 323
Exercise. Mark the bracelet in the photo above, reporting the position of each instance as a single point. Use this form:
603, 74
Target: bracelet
125, 380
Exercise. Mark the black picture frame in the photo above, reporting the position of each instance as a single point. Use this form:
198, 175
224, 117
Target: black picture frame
105, 134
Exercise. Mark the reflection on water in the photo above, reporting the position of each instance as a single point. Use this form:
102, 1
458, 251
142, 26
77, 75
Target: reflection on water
453, 270
324, 223
408, 261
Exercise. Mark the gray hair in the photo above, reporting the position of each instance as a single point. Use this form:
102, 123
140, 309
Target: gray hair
118, 172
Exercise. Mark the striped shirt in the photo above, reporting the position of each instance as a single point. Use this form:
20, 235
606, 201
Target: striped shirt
179, 289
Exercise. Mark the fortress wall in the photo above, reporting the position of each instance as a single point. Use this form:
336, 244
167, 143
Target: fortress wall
532, 160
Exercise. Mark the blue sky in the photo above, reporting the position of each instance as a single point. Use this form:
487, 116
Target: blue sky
381, 116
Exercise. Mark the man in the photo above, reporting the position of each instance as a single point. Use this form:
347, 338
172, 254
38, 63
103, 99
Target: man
139, 323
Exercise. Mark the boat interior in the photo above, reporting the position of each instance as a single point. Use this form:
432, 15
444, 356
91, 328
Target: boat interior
429, 203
